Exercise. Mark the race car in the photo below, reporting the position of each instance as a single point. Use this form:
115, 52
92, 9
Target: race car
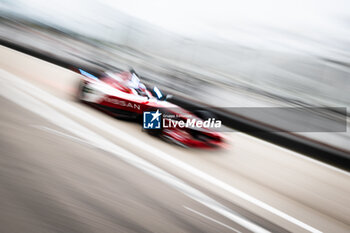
123, 95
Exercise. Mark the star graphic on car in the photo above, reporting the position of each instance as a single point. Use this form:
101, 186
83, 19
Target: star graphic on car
155, 115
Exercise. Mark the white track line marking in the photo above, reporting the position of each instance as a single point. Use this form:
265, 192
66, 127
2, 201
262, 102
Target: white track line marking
76, 112
51, 115
61, 134
211, 219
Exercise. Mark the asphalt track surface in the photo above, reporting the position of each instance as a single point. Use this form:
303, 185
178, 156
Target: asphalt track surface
66, 167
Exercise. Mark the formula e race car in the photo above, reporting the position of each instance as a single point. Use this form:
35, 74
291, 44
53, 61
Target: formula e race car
123, 95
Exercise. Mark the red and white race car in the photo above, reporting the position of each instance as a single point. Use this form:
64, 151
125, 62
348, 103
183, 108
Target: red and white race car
123, 95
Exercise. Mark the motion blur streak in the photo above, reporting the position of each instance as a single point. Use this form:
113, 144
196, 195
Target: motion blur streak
40, 94
55, 117
296, 154
204, 216
308, 191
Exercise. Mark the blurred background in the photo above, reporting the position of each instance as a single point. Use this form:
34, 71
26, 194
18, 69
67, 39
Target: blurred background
226, 54
65, 167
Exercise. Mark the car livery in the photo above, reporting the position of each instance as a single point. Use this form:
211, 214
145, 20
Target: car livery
123, 95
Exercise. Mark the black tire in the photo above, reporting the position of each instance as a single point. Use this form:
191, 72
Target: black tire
80, 93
